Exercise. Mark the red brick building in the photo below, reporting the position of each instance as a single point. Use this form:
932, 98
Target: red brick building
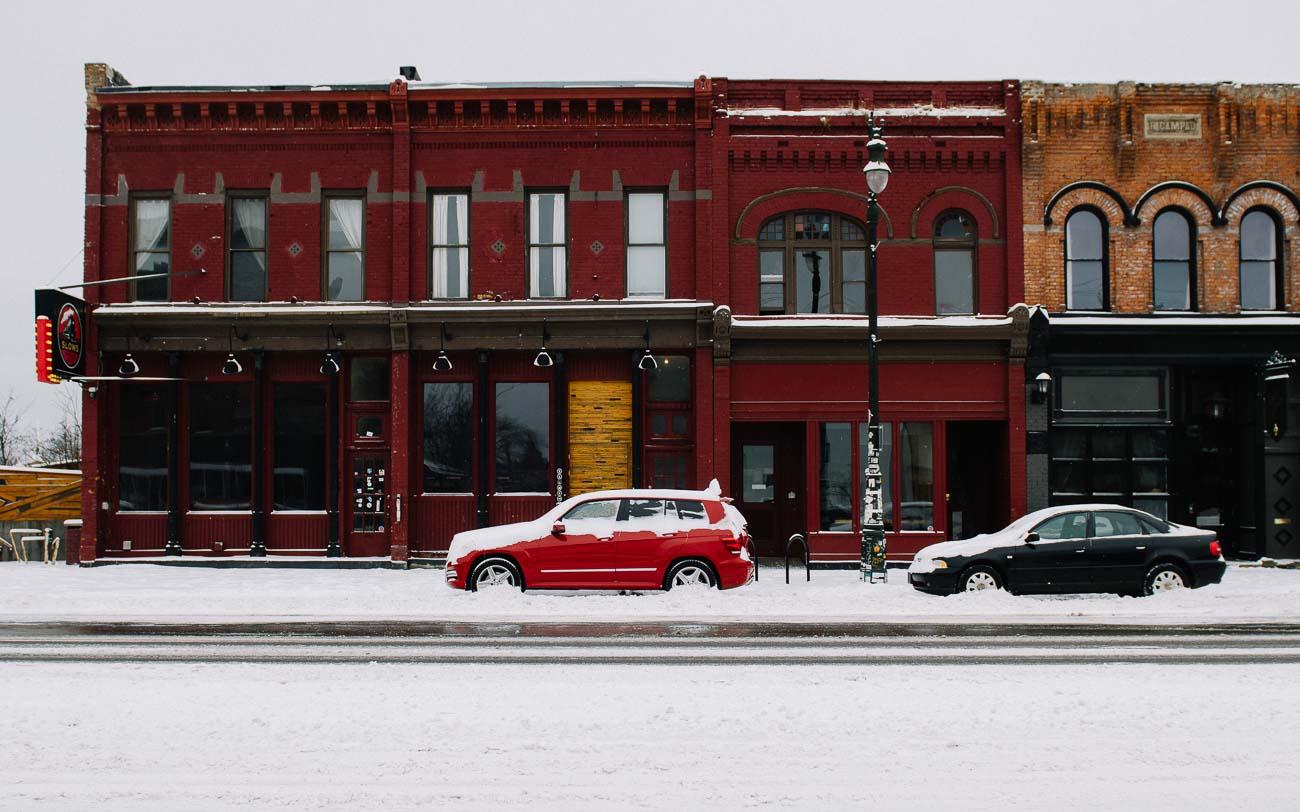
381, 314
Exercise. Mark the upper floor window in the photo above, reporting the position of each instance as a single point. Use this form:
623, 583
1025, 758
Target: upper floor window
647, 251
246, 248
1173, 268
548, 261
954, 264
345, 253
1086, 271
812, 262
449, 246
150, 247
1261, 273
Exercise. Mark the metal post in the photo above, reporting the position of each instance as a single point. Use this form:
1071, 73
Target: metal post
873, 515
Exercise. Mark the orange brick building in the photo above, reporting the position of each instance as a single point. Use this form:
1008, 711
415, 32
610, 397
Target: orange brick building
1159, 237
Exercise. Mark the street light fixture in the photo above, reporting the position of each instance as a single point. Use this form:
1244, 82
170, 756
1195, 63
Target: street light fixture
873, 510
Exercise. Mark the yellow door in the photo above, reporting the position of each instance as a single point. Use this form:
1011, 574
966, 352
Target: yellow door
600, 436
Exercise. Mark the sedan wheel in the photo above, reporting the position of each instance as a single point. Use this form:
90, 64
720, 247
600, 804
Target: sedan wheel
1164, 578
980, 578
494, 572
688, 573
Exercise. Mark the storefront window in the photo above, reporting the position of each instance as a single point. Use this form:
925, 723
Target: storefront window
671, 380
523, 437
221, 447
142, 447
448, 437
836, 477
299, 446
1123, 464
916, 476
1111, 392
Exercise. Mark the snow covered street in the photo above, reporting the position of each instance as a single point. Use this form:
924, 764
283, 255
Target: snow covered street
1044, 717
151, 593
168, 736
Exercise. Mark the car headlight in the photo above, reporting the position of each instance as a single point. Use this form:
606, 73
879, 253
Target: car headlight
939, 564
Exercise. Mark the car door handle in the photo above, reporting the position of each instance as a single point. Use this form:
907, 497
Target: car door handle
1143, 547
1081, 551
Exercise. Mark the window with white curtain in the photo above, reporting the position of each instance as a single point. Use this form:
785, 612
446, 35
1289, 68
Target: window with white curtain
345, 262
151, 247
449, 246
548, 266
246, 248
647, 250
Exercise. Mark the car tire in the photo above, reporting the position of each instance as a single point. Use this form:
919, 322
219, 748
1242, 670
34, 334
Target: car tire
1163, 578
691, 572
494, 571
979, 577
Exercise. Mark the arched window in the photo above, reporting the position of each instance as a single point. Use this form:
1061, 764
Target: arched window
1086, 272
1261, 273
1173, 268
812, 262
954, 264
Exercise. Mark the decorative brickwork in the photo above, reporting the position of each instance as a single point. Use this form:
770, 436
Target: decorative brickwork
1131, 143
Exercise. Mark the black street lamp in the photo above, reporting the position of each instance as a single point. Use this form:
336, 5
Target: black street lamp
873, 509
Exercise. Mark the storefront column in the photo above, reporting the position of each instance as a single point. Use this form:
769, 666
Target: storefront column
257, 547
333, 417
560, 399
481, 464
638, 419
174, 458
399, 510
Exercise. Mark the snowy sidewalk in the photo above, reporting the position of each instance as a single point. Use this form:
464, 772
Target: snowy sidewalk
146, 593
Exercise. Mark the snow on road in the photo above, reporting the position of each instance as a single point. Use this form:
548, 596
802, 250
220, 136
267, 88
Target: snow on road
172, 594
352, 737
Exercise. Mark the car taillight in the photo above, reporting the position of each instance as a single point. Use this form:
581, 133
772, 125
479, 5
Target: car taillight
733, 544
1215, 549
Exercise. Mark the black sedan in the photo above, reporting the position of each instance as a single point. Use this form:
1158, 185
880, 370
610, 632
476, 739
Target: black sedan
1074, 548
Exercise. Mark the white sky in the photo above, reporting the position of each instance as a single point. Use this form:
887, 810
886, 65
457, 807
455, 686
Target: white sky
43, 44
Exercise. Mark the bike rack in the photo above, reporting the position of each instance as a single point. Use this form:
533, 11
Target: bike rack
753, 553
803, 542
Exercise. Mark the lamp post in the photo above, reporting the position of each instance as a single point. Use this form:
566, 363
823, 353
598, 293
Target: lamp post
873, 509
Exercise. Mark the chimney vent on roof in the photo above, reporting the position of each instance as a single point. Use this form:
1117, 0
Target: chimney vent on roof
410, 73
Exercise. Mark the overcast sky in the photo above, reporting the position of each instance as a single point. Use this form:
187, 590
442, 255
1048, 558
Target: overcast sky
43, 44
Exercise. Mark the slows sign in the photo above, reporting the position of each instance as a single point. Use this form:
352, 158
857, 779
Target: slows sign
60, 336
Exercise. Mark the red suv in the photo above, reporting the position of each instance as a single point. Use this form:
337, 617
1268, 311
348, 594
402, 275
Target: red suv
634, 539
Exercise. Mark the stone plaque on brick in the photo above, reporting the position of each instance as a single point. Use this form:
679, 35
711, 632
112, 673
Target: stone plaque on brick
1172, 125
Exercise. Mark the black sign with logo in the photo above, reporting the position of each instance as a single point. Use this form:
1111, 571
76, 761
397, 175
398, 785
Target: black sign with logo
67, 315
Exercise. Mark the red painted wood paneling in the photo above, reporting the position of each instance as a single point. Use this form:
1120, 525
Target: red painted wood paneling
297, 532
145, 531
200, 532
435, 519
840, 547
507, 509
605, 366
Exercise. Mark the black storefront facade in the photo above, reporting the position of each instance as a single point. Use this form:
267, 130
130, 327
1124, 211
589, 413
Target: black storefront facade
1192, 418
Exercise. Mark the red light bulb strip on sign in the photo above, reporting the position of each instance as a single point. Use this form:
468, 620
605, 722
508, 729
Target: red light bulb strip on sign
45, 351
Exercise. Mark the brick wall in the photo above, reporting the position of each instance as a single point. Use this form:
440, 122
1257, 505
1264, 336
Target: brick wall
1099, 133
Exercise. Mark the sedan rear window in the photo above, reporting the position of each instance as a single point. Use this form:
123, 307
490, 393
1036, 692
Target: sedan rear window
1116, 524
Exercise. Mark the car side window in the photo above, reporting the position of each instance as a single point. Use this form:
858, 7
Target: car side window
1065, 526
599, 509
689, 511
649, 514
1152, 528
1116, 524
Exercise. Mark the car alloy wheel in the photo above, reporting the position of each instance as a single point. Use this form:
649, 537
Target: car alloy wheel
494, 572
1164, 578
980, 578
689, 573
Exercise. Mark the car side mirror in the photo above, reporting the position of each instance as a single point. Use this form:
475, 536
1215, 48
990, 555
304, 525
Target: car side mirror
1030, 538
557, 529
